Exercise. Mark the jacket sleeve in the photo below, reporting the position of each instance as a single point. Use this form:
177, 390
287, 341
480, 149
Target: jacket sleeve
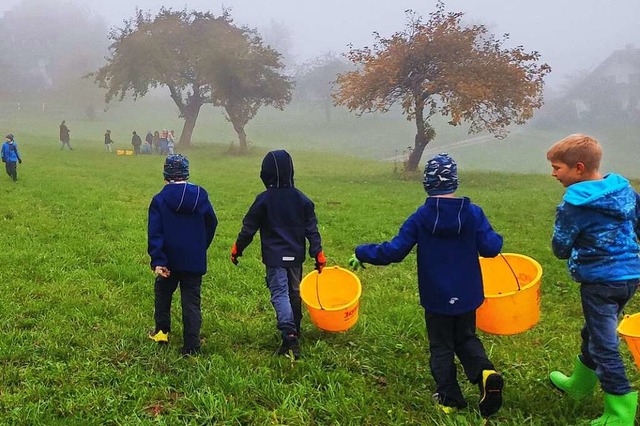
311, 230
155, 235
637, 217
210, 222
250, 224
391, 251
565, 233
488, 241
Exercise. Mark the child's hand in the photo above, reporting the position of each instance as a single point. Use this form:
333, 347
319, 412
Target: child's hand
234, 254
355, 263
321, 261
162, 271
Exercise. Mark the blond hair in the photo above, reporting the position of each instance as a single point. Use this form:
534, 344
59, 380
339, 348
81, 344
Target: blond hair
577, 148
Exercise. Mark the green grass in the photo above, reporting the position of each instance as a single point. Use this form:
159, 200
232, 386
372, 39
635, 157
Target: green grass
77, 298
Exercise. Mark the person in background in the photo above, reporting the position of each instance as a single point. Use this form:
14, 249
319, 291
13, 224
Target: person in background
596, 229
64, 135
156, 141
182, 224
136, 141
108, 141
285, 217
450, 233
171, 141
11, 156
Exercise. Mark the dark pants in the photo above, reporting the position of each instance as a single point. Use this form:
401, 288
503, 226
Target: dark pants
284, 286
602, 304
449, 336
65, 143
190, 286
12, 169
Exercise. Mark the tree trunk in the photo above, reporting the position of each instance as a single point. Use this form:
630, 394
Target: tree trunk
242, 137
424, 135
190, 116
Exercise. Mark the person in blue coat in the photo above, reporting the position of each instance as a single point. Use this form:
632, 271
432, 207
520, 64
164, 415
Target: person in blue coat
596, 230
182, 224
450, 233
11, 156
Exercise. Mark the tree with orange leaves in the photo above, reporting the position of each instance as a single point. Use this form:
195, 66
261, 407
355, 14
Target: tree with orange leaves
443, 67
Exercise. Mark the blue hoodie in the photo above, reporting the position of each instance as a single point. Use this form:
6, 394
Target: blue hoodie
450, 233
10, 152
596, 229
182, 224
283, 215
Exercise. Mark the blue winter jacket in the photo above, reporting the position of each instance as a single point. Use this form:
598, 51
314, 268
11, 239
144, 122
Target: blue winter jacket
596, 229
10, 152
181, 226
283, 215
450, 233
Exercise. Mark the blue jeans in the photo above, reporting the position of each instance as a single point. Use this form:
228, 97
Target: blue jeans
602, 304
284, 286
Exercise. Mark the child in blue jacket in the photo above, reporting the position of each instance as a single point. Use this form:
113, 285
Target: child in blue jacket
285, 217
450, 233
596, 229
11, 156
181, 227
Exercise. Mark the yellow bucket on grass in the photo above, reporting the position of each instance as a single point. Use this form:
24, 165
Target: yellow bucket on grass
120, 151
629, 328
512, 294
128, 152
332, 298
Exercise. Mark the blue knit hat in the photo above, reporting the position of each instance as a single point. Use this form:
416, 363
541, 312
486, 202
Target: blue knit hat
176, 167
440, 175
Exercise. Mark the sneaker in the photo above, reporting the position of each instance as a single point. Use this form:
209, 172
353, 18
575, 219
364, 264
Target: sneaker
490, 392
290, 347
444, 408
160, 337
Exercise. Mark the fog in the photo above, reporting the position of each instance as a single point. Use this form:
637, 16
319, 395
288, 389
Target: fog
570, 34
573, 36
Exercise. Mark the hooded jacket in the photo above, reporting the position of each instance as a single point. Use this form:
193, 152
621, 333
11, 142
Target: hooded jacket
596, 229
181, 226
283, 215
450, 234
10, 152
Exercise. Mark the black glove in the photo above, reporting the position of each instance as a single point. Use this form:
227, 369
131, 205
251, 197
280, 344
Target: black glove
19, 160
3, 160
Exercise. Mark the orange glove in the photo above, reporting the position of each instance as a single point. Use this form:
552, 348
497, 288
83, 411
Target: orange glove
234, 254
321, 261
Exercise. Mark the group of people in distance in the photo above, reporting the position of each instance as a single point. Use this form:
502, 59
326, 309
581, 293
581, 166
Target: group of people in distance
596, 229
158, 142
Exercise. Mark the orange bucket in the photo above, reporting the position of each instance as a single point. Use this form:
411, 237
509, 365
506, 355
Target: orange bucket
629, 328
332, 298
512, 294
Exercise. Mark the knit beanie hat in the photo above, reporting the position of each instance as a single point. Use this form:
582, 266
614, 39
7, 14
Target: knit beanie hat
440, 175
176, 167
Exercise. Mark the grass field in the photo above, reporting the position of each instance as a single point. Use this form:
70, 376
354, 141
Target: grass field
77, 297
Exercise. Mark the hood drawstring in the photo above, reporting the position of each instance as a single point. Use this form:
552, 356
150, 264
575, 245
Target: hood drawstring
459, 221
435, 224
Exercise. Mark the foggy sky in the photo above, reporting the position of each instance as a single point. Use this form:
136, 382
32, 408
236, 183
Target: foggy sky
571, 35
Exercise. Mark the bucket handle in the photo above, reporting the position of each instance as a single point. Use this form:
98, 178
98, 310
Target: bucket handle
511, 269
318, 292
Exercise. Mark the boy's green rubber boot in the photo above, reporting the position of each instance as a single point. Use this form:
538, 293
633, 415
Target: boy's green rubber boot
579, 385
619, 410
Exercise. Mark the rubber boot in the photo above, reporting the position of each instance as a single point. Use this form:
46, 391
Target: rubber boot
580, 384
619, 410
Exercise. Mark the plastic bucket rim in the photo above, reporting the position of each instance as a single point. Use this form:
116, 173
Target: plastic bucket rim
637, 335
533, 282
340, 308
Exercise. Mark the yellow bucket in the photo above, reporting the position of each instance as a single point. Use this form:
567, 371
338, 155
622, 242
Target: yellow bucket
332, 298
120, 151
512, 294
128, 152
629, 328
